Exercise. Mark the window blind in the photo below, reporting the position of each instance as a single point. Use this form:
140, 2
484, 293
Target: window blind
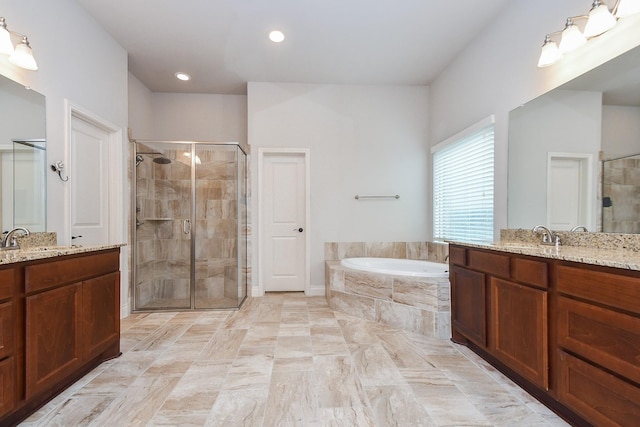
463, 188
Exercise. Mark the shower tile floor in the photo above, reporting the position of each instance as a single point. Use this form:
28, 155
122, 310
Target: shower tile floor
288, 360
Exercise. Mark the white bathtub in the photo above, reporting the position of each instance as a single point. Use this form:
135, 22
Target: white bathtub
400, 267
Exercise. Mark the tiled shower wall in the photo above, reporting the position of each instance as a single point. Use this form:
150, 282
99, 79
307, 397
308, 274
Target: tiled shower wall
164, 203
621, 183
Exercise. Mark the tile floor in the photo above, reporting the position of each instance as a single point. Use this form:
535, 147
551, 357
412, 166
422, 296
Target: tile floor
288, 360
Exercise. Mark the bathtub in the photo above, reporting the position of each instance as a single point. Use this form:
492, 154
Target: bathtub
399, 267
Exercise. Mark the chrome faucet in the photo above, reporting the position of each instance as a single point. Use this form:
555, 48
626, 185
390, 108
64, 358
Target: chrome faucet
10, 239
548, 238
580, 227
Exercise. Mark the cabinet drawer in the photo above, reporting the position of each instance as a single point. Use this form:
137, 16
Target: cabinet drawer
7, 283
615, 290
531, 272
599, 397
53, 273
6, 329
458, 255
487, 262
603, 336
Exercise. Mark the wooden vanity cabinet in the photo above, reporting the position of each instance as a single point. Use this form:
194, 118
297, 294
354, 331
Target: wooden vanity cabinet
71, 315
569, 333
69, 307
599, 343
8, 324
500, 303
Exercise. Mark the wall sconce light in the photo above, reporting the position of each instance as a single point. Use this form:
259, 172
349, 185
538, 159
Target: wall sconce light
599, 20
20, 54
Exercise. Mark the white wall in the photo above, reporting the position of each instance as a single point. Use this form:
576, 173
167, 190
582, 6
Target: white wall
498, 72
362, 140
140, 109
560, 121
198, 117
79, 63
620, 131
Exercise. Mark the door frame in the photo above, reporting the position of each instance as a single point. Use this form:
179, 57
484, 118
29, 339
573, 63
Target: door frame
115, 179
587, 179
118, 190
262, 153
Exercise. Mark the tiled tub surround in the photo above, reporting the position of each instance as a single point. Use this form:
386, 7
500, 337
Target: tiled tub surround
419, 305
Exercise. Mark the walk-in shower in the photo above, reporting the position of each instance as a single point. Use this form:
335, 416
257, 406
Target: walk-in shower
190, 222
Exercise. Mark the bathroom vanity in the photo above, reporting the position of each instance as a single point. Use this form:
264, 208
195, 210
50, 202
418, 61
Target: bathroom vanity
564, 323
59, 318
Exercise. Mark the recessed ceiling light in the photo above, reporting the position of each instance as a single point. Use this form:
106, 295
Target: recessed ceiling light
276, 36
183, 76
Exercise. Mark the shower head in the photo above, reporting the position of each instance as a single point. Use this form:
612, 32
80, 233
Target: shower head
161, 160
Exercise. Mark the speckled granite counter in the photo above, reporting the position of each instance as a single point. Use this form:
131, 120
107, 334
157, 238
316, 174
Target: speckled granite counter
617, 258
36, 253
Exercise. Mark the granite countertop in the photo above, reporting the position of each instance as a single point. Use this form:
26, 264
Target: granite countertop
609, 257
36, 253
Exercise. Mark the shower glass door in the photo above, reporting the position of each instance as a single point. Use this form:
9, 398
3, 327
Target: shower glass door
217, 232
191, 221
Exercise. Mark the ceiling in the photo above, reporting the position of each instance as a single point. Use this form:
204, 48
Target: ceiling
223, 44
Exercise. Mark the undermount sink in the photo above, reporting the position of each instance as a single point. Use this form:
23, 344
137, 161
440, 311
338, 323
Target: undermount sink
517, 245
47, 248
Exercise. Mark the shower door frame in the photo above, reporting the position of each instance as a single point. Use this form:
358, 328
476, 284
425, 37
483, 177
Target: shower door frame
242, 262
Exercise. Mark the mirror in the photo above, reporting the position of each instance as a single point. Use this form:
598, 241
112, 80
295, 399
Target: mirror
556, 144
22, 157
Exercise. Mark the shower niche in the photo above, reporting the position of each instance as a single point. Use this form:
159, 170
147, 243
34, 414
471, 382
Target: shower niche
190, 222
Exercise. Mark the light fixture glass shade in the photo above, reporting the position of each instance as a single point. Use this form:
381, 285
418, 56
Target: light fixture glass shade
23, 56
572, 38
6, 45
600, 20
550, 53
627, 8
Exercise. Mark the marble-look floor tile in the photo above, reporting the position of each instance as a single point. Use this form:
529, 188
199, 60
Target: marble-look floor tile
292, 399
338, 382
374, 366
397, 405
241, 408
288, 360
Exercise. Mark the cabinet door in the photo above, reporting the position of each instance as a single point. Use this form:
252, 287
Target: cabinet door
519, 329
52, 336
468, 304
7, 386
100, 313
6, 329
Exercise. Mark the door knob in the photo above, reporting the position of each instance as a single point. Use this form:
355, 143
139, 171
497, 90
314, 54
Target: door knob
299, 229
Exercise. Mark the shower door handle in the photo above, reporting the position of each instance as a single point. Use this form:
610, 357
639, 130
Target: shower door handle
186, 226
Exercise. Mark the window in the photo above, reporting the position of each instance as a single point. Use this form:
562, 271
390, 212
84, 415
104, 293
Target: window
463, 185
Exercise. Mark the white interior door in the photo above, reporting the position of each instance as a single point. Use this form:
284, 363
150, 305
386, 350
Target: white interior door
89, 182
284, 213
568, 191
